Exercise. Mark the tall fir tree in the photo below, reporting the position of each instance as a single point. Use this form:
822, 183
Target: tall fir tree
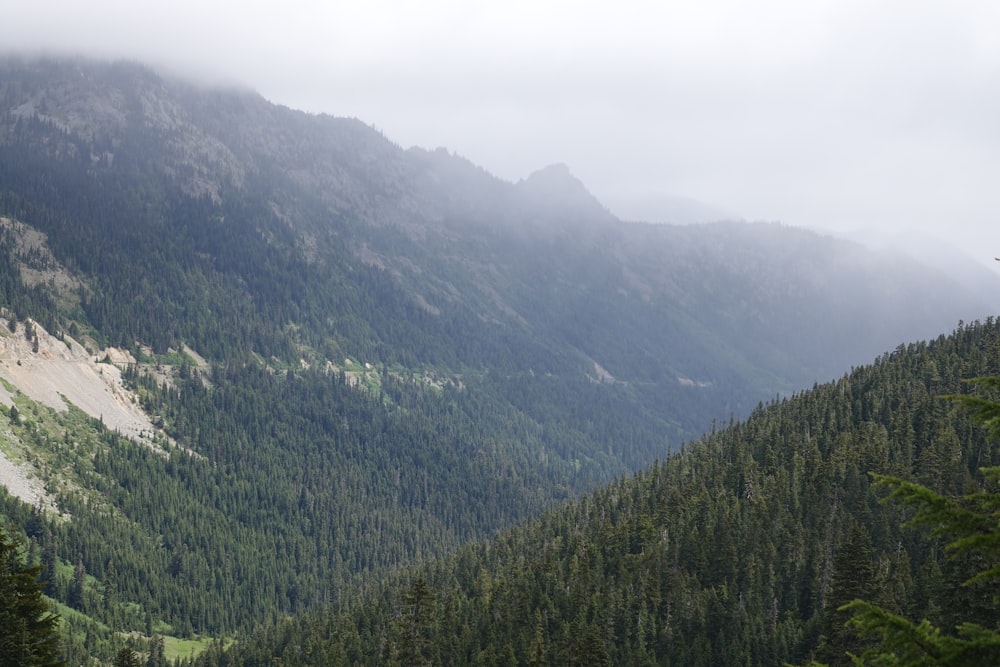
27, 626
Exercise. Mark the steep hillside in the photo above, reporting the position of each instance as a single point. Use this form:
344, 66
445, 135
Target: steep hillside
313, 236
738, 551
353, 356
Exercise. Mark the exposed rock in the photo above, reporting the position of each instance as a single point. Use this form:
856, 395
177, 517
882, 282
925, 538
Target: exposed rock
61, 373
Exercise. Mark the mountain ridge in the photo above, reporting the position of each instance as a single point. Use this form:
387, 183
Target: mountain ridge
361, 356
314, 238
287, 211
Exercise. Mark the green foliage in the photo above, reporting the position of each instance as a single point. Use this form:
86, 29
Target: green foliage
852, 578
908, 644
984, 410
971, 524
970, 521
737, 551
340, 484
417, 633
27, 627
522, 356
127, 657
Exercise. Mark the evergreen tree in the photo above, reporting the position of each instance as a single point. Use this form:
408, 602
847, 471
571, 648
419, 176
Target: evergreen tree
75, 597
852, 579
156, 652
127, 658
27, 626
417, 640
972, 524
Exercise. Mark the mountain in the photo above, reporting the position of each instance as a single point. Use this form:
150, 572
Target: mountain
661, 207
968, 270
296, 217
737, 551
255, 358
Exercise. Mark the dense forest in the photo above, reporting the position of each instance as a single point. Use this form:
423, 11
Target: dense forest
362, 362
336, 482
737, 551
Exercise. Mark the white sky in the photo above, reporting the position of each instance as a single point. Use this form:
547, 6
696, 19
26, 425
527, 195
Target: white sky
874, 115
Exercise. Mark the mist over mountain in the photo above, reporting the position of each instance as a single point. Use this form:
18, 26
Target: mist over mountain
977, 274
453, 238
665, 208
361, 355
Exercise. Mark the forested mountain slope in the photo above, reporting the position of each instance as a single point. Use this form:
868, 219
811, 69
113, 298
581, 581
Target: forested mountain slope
356, 356
216, 219
737, 551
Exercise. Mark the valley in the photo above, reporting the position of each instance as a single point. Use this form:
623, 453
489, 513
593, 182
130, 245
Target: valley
269, 377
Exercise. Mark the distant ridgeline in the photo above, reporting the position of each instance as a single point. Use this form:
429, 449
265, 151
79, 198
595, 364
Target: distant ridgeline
362, 357
736, 551
217, 220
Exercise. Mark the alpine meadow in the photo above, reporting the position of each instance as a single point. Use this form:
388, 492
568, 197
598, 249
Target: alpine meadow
276, 390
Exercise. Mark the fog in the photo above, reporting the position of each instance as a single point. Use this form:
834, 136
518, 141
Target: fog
877, 120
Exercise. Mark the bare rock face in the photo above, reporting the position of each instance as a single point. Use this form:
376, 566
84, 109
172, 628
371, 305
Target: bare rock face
59, 373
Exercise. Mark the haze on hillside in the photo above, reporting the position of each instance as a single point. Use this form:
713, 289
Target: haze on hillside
365, 357
831, 115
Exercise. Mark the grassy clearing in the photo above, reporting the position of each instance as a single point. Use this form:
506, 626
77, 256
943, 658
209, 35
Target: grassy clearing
175, 647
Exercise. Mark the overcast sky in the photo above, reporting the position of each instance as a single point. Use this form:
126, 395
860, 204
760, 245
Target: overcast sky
840, 115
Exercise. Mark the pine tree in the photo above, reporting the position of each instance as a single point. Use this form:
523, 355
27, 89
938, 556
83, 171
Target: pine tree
27, 626
127, 658
417, 625
852, 578
156, 657
537, 655
77, 588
